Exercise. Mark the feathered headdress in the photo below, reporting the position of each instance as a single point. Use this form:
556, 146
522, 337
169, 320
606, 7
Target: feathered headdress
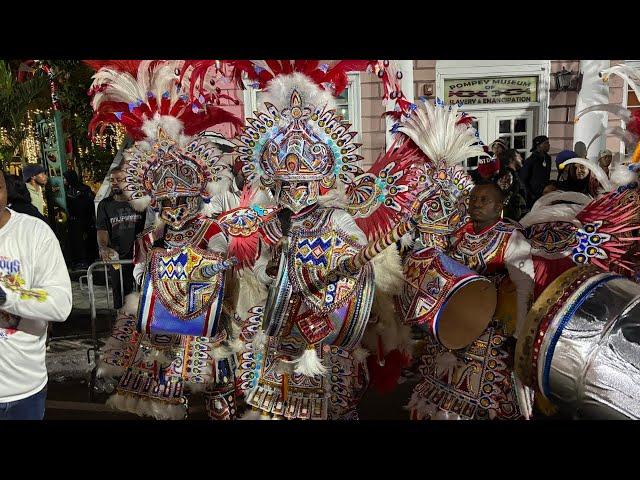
166, 161
331, 77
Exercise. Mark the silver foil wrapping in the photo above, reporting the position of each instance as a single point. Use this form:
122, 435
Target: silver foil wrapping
590, 355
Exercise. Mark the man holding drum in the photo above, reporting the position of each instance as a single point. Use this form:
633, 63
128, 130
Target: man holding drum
477, 381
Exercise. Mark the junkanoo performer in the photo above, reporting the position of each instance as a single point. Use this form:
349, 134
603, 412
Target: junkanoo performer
309, 365
475, 382
177, 337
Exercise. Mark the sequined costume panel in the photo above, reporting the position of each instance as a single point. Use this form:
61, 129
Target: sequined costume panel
309, 310
484, 251
281, 392
472, 384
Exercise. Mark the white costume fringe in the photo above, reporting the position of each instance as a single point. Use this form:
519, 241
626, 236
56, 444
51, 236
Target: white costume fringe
309, 364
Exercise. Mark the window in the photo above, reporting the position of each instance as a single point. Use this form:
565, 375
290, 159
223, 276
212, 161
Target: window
513, 131
348, 102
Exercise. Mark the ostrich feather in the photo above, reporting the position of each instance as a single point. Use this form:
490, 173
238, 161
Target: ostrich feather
630, 74
279, 91
621, 112
436, 131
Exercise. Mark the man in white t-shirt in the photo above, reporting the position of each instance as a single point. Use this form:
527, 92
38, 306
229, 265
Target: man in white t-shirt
34, 289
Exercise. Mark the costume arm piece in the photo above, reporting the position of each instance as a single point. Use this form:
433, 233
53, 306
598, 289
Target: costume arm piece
49, 299
518, 261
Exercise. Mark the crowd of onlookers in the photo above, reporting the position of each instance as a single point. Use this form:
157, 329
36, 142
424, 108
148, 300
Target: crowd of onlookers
525, 181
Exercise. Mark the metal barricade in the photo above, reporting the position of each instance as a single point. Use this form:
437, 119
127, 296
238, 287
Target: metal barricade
92, 302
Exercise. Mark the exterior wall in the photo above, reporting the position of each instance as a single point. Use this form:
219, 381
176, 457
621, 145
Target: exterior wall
373, 128
562, 110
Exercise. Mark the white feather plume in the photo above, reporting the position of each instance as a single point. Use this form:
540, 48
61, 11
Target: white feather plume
619, 132
309, 364
207, 209
146, 407
621, 112
280, 88
407, 241
433, 129
621, 175
252, 415
630, 74
171, 125
360, 354
140, 204
131, 301
561, 196
552, 213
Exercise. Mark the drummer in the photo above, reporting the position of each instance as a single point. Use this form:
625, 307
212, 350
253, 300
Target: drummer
477, 382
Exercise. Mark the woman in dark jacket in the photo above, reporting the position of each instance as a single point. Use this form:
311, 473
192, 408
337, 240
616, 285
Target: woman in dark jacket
18, 198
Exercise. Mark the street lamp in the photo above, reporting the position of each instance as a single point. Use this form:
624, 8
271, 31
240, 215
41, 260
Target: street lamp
564, 80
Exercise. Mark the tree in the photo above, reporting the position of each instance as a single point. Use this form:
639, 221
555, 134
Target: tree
73, 79
16, 98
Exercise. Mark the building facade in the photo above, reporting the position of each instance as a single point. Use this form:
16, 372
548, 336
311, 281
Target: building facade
515, 100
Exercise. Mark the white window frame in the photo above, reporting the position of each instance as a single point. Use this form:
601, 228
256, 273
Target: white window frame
250, 102
451, 69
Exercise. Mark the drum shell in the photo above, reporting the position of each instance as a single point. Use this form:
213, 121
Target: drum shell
589, 362
433, 281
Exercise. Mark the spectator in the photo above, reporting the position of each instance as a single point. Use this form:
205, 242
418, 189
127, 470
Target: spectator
563, 156
581, 149
604, 159
82, 224
536, 170
579, 179
117, 226
35, 177
35, 289
515, 206
19, 198
488, 168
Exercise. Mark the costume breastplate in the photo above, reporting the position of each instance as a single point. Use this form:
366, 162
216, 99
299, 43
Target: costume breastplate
483, 252
178, 295
332, 312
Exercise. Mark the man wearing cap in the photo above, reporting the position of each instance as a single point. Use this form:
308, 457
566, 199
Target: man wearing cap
35, 177
536, 172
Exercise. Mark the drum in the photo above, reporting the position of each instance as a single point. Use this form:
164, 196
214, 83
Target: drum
581, 345
454, 302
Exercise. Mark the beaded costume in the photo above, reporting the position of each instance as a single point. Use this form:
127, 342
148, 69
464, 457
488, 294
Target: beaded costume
474, 382
307, 363
176, 338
